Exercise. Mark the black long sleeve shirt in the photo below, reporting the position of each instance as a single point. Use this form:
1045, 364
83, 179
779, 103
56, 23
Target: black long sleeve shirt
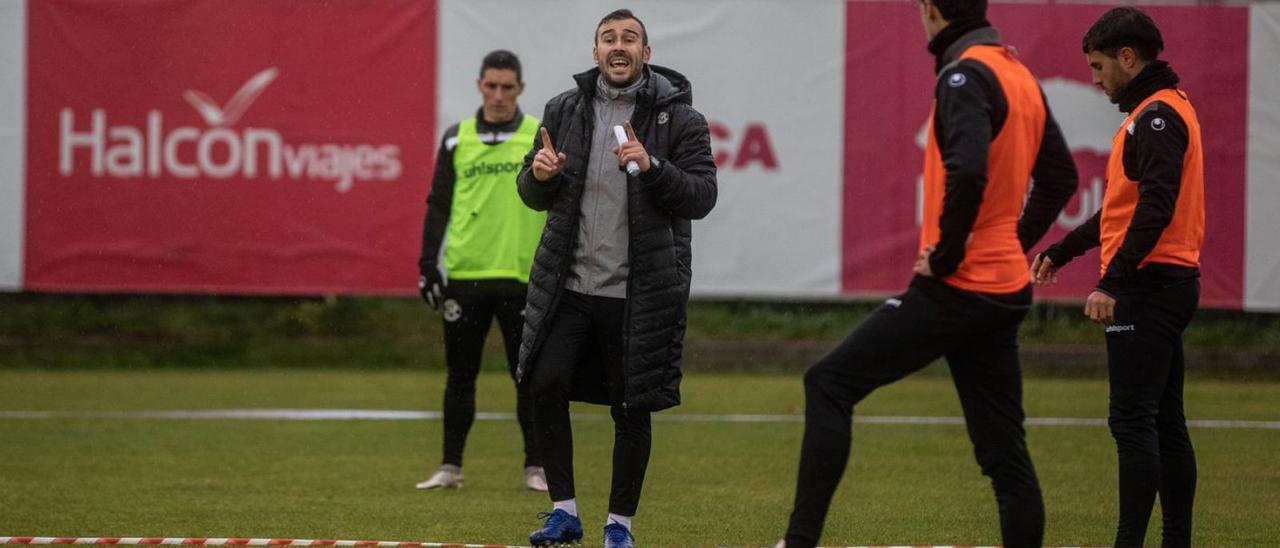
440, 199
1153, 155
967, 117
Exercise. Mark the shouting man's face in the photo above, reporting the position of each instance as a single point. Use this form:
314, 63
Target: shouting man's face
620, 51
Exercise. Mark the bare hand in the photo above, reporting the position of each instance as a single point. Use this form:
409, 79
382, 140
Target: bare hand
1100, 308
632, 151
1043, 272
922, 262
547, 163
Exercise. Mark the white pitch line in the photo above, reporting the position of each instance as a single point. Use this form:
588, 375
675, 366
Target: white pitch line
374, 414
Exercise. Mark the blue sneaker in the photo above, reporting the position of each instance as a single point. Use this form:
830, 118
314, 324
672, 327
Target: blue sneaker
561, 528
617, 536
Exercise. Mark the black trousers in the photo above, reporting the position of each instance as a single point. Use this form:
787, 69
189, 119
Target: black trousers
1144, 355
579, 322
977, 333
469, 309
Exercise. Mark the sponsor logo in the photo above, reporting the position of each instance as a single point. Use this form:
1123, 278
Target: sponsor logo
125, 151
893, 302
234, 109
753, 147
452, 310
491, 168
663, 117
1119, 328
956, 80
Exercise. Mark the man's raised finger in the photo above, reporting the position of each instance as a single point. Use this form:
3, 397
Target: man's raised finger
631, 134
546, 140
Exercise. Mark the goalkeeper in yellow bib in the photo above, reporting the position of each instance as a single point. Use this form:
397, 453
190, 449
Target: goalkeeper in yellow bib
488, 235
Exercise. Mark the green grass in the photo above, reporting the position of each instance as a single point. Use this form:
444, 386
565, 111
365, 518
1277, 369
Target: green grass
709, 483
161, 331
47, 331
1046, 324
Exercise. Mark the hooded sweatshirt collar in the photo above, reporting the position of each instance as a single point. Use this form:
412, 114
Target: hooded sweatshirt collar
958, 36
1154, 77
603, 89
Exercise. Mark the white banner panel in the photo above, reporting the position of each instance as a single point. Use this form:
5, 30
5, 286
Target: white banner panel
768, 76
13, 84
1262, 246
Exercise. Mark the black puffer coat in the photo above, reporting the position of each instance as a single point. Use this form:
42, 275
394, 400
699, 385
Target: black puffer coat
660, 204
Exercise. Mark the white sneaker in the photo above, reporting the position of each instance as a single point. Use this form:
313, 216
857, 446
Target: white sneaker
535, 478
447, 477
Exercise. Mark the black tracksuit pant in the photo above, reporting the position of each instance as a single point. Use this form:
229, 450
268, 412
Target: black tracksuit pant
582, 321
977, 333
1144, 355
469, 309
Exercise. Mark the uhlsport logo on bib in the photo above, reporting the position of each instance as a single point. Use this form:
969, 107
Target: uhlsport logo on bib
491, 168
152, 148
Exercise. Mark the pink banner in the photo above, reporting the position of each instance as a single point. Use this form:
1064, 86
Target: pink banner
889, 83
245, 146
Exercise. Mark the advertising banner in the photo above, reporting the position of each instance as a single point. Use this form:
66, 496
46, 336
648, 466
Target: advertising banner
889, 90
241, 146
13, 38
1262, 269
283, 147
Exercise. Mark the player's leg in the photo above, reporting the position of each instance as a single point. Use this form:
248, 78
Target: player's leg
900, 337
467, 314
510, 312
1177, 456
988, 379
1139, 354
632, 432
550, 383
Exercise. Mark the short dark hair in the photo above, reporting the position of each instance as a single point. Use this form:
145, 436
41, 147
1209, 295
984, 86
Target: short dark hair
1125, 27
501, 59
960, 9
622, 15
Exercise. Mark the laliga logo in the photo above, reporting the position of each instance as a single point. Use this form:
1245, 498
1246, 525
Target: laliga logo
1088, 122
754, 147
124, 151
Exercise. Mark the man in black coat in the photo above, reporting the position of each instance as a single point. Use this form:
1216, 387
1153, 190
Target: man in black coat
609, 287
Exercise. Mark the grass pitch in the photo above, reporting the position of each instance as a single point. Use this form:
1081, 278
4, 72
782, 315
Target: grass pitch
708, 484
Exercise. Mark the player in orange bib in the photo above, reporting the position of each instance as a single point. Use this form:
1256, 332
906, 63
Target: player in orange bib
990, 134
1150, 229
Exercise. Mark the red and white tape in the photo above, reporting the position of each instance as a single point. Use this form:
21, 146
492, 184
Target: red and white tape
294, 542
238, 542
